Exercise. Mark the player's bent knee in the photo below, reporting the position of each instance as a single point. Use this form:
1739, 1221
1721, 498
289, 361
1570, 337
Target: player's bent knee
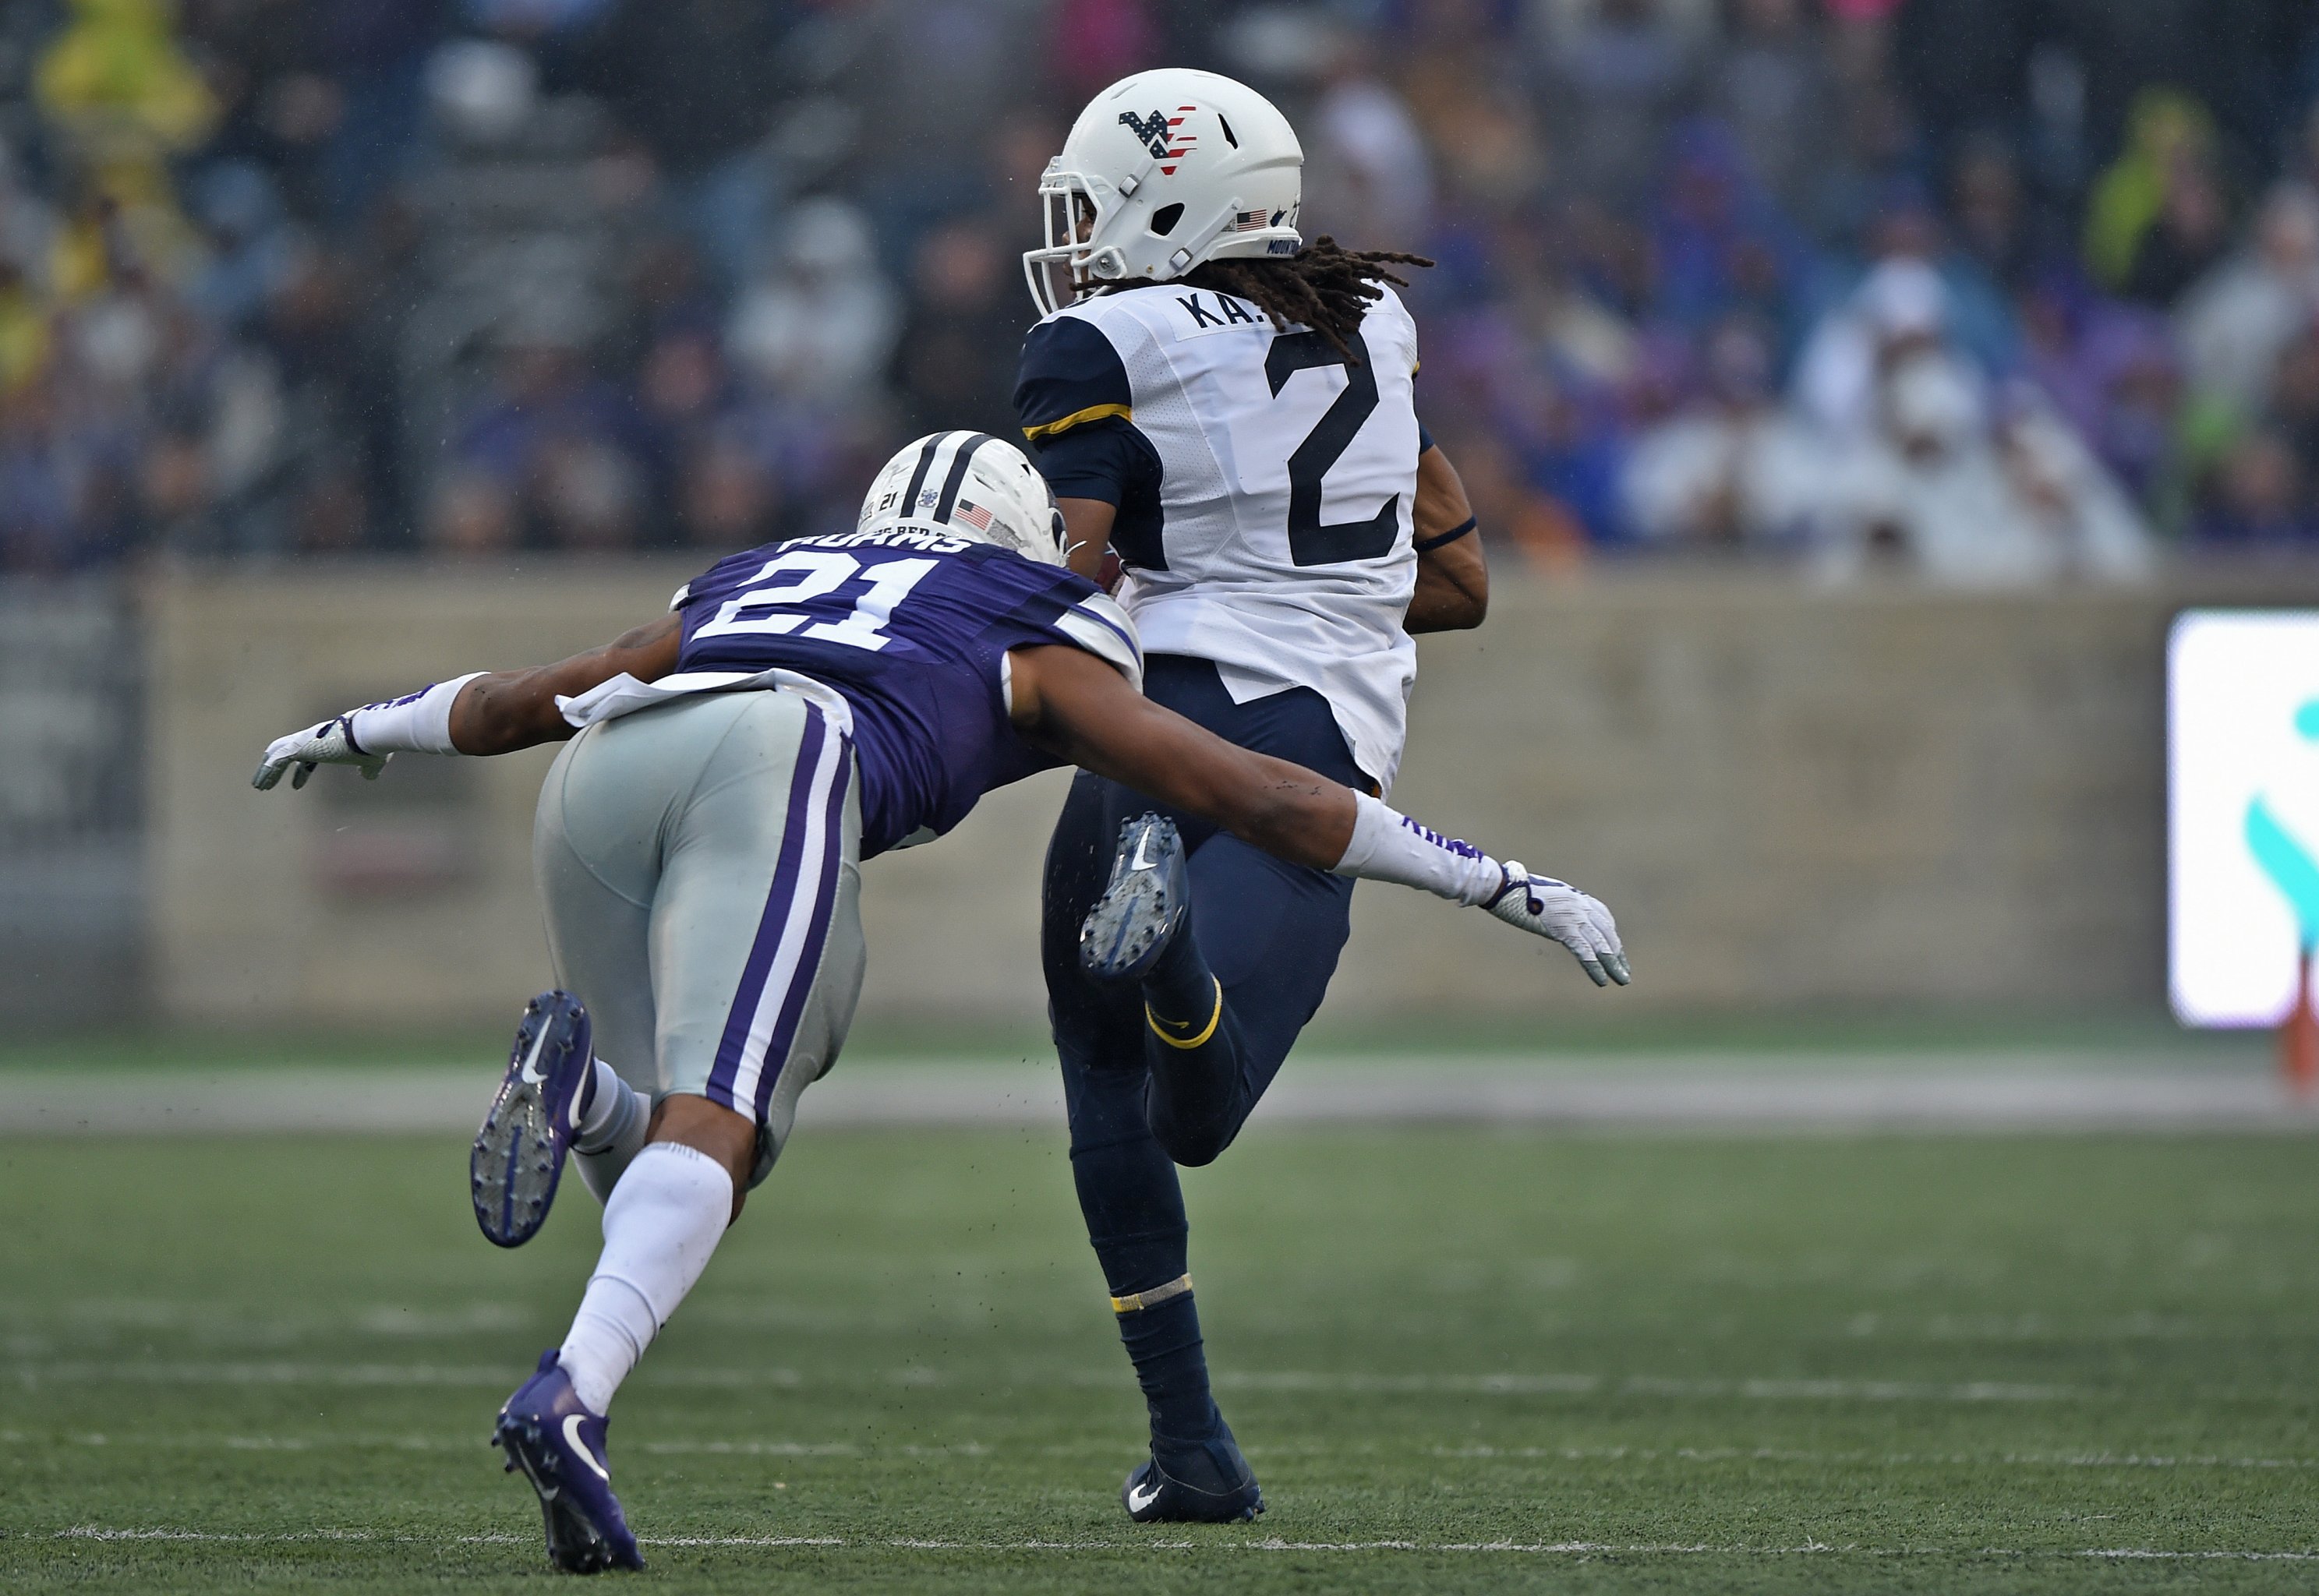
693, 1121
1194, 1146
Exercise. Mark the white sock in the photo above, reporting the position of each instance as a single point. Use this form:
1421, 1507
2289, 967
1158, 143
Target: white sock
612, 1129
663, 1221
604, 1102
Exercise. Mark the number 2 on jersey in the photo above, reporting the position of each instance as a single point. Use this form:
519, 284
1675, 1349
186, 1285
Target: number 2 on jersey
1310, 541
815, 574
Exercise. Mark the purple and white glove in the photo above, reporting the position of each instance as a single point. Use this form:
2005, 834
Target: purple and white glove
368, 737
1547, 908
332, 743
1389, 846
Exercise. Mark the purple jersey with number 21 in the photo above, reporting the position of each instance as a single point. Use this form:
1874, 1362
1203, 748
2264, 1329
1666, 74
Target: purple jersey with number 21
911, 628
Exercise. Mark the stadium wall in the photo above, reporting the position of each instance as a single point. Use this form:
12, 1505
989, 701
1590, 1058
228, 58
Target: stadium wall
1792, 798
72, 888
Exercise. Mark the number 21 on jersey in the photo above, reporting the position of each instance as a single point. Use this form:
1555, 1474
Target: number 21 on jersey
792, 589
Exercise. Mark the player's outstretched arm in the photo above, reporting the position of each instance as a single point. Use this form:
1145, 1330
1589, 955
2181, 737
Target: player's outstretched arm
504, 710
1076, 707
484, 712
1453, 577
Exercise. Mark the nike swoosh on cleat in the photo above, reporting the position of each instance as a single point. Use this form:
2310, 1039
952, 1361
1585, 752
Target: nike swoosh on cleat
1143, 859
1140, 1497
519, 1458
531, 1065
572, 1437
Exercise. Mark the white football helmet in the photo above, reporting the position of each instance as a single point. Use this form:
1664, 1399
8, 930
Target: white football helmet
969, 485
1162, 171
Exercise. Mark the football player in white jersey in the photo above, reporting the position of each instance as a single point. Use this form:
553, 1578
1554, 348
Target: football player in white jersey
1230, 413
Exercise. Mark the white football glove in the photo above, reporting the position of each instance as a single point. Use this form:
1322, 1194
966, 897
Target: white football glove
329, 743
1547, 908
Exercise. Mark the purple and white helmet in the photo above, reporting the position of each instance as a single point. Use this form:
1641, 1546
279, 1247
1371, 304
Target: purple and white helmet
970, 485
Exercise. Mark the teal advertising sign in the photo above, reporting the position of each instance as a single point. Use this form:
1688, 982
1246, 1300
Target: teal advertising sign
2242, 749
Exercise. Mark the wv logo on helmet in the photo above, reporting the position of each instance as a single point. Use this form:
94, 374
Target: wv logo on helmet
1157, 132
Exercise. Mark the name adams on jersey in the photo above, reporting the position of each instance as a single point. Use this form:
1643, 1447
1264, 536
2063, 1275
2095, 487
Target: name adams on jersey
902, 634
1265, 487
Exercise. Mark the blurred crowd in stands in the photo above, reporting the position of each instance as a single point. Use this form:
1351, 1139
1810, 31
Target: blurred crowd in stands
2000, 291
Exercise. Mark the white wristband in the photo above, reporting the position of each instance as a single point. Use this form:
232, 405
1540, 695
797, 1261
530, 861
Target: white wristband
415, 723
1389, 846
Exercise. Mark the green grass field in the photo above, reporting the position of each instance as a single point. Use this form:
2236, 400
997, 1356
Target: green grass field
1457, 1360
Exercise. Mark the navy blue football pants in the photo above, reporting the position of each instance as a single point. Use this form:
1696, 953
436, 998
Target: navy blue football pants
1269, 930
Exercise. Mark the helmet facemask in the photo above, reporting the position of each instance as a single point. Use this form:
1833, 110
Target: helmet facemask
1065, 270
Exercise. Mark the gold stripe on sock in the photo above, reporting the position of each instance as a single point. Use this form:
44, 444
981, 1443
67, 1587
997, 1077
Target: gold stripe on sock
1160, 1026
1136, 1302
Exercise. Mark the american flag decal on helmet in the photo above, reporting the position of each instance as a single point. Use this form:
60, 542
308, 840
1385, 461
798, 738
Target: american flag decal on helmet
1248, 221
973, 515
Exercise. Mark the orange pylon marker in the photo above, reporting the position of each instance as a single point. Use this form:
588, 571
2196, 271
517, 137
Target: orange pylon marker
2298, 1034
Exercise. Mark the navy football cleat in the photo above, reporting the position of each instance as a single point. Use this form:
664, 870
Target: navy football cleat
548, 1433
1140, 911
519, 1154
1193, 1482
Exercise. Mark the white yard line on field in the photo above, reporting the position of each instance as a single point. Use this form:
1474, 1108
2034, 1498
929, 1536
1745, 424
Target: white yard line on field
1347, 1383
788, 1448
1581, 1548
1718, 1455
1984, 1092
1974, 1390
32, 1330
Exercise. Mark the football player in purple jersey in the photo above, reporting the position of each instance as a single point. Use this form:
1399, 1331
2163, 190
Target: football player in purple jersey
805, 705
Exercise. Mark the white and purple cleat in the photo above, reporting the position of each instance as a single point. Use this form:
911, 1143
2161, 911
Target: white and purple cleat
519, 1154
548, 1433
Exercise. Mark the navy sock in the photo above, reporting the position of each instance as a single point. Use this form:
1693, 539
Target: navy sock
1180, 990
1164, 1342
1134, 1210
1192, 1044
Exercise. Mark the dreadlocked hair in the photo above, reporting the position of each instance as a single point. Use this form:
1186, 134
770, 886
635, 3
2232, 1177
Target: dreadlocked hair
1327, 288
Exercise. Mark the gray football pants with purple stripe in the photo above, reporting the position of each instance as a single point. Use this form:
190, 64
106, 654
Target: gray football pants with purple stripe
700, 865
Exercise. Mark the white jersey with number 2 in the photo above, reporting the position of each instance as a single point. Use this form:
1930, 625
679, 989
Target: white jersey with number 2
1288, 476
